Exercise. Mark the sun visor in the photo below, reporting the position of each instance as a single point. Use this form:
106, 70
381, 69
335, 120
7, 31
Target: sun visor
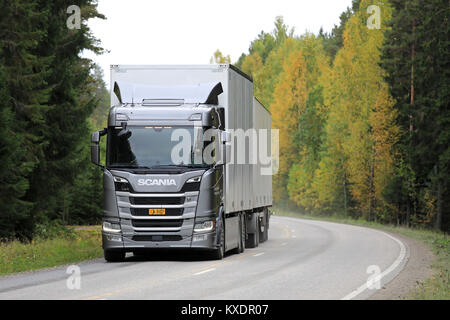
204, 93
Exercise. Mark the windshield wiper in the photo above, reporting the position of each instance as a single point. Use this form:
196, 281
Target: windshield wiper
179, 166
125, 166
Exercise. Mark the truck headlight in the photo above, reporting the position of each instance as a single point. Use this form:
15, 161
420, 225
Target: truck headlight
121, 184
195, 179
204, 226
111, 227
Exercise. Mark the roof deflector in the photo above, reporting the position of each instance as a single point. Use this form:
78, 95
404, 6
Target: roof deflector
204, 93
213, 97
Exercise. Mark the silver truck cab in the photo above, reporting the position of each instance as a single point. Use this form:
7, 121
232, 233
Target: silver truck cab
150, 201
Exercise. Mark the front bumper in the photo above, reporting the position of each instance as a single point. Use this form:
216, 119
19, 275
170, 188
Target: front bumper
197, 241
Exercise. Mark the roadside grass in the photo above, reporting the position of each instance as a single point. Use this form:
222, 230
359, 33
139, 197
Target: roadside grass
72, 245
437, 287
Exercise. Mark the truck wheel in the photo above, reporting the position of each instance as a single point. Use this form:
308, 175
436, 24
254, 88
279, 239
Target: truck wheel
114, 256
243, 233
253, 238
241, 244
219, 253
262, 224
266, 228
264, 235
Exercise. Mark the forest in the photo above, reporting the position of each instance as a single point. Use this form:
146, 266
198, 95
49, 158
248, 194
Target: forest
362, 111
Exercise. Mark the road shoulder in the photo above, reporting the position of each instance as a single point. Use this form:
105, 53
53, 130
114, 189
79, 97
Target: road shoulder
416, 271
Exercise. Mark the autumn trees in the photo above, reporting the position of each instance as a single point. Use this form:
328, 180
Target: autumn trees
360, 106
345, 146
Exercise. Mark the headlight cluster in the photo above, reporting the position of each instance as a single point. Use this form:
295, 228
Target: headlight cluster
195, 179
122, 184
111, 227
205, 226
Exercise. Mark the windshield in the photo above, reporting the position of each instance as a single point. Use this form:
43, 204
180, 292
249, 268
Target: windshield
152, 146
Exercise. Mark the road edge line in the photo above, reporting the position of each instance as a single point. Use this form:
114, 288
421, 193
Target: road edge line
398, 265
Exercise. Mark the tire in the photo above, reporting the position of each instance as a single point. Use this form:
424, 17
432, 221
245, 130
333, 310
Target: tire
266, 229
219, 253
264, 235
114, 256
241, 246
253, 238
261, 233
243, 233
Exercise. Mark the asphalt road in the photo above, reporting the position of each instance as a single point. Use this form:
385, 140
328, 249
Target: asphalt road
303, 259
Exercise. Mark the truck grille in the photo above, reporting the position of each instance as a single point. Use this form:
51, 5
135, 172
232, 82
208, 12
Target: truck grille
157, 238
163, 223
156, 200
144, 212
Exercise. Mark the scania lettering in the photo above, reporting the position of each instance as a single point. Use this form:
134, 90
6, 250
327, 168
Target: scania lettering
174, 176
156, 182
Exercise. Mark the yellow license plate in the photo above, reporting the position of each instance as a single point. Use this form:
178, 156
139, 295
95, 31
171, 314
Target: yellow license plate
156, 212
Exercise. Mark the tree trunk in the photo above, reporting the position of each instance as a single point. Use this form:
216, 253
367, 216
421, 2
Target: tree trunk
411, 123
345, 197
438, 221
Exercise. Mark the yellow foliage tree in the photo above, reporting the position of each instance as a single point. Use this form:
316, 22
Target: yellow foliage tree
252, 64
219, 58
289, 101
310, 127
362, 119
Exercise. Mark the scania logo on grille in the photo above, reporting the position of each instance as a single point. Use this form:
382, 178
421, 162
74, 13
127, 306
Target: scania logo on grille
156, 182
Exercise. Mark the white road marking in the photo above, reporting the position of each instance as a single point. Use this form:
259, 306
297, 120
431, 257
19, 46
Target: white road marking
393, 266
204, 271
284, 243
258, 254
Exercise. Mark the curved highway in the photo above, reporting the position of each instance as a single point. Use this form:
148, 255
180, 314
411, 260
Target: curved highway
303, 259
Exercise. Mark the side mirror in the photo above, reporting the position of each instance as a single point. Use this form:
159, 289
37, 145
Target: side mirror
95, 148
95, 137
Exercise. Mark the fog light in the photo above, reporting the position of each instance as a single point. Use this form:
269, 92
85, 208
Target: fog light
200, 237
204, 226
114, 237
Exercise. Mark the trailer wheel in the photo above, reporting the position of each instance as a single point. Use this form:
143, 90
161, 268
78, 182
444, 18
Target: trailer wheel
264, 235
114, 255
253, 238
266, 225
243, 233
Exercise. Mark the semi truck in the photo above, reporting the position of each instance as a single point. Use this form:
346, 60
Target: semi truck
184, 165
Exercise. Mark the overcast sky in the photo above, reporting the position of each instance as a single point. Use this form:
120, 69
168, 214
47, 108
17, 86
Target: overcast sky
189, 31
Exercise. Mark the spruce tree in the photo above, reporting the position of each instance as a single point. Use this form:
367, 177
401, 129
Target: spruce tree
416, 58
23, 96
